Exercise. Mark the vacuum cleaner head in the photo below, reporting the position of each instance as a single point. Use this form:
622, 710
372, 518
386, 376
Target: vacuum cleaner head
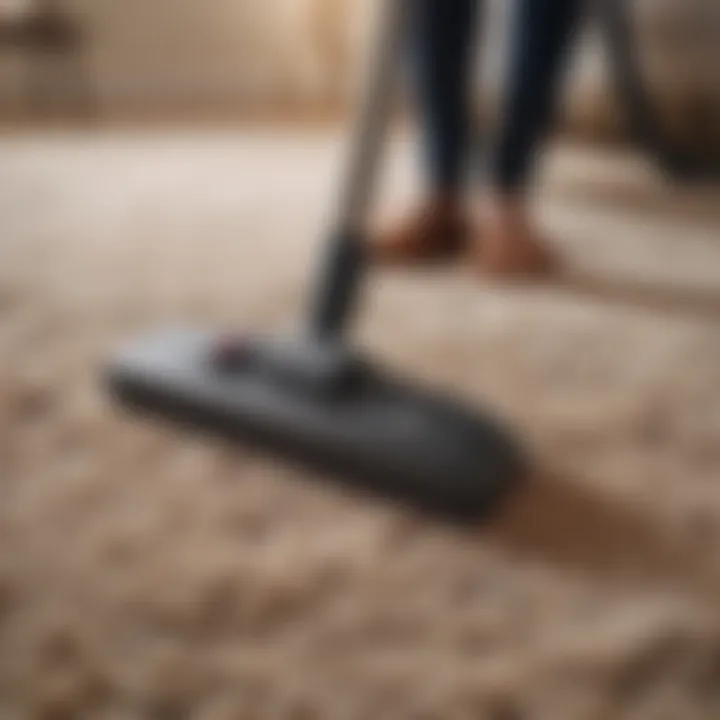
318, 404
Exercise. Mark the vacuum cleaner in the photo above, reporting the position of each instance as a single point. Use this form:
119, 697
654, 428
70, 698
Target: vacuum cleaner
310, 396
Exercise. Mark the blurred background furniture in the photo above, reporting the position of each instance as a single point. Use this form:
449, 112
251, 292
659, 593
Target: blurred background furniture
665, 72
52, 47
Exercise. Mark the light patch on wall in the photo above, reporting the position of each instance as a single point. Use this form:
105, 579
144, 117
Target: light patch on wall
15, 10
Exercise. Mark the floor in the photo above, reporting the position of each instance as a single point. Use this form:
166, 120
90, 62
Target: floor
146, 574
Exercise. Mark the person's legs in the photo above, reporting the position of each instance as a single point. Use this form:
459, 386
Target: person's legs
541, 36
541, 39
442, 48
444, 44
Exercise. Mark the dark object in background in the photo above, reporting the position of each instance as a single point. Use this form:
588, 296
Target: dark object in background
691, 155
54, 47
312, 398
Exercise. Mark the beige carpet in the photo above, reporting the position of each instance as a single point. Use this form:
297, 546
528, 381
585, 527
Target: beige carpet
146, 575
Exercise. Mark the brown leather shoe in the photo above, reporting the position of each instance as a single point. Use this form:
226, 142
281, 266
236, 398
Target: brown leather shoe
438, 231
510, 247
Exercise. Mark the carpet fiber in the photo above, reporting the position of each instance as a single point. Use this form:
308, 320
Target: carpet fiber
144, 574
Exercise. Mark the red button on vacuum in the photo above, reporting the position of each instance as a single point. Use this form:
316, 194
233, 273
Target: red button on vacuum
231, 353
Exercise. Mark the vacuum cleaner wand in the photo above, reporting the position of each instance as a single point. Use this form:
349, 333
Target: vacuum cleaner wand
341, 274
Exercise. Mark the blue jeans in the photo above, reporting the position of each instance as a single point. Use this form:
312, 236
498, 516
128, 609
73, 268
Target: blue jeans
444, 34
